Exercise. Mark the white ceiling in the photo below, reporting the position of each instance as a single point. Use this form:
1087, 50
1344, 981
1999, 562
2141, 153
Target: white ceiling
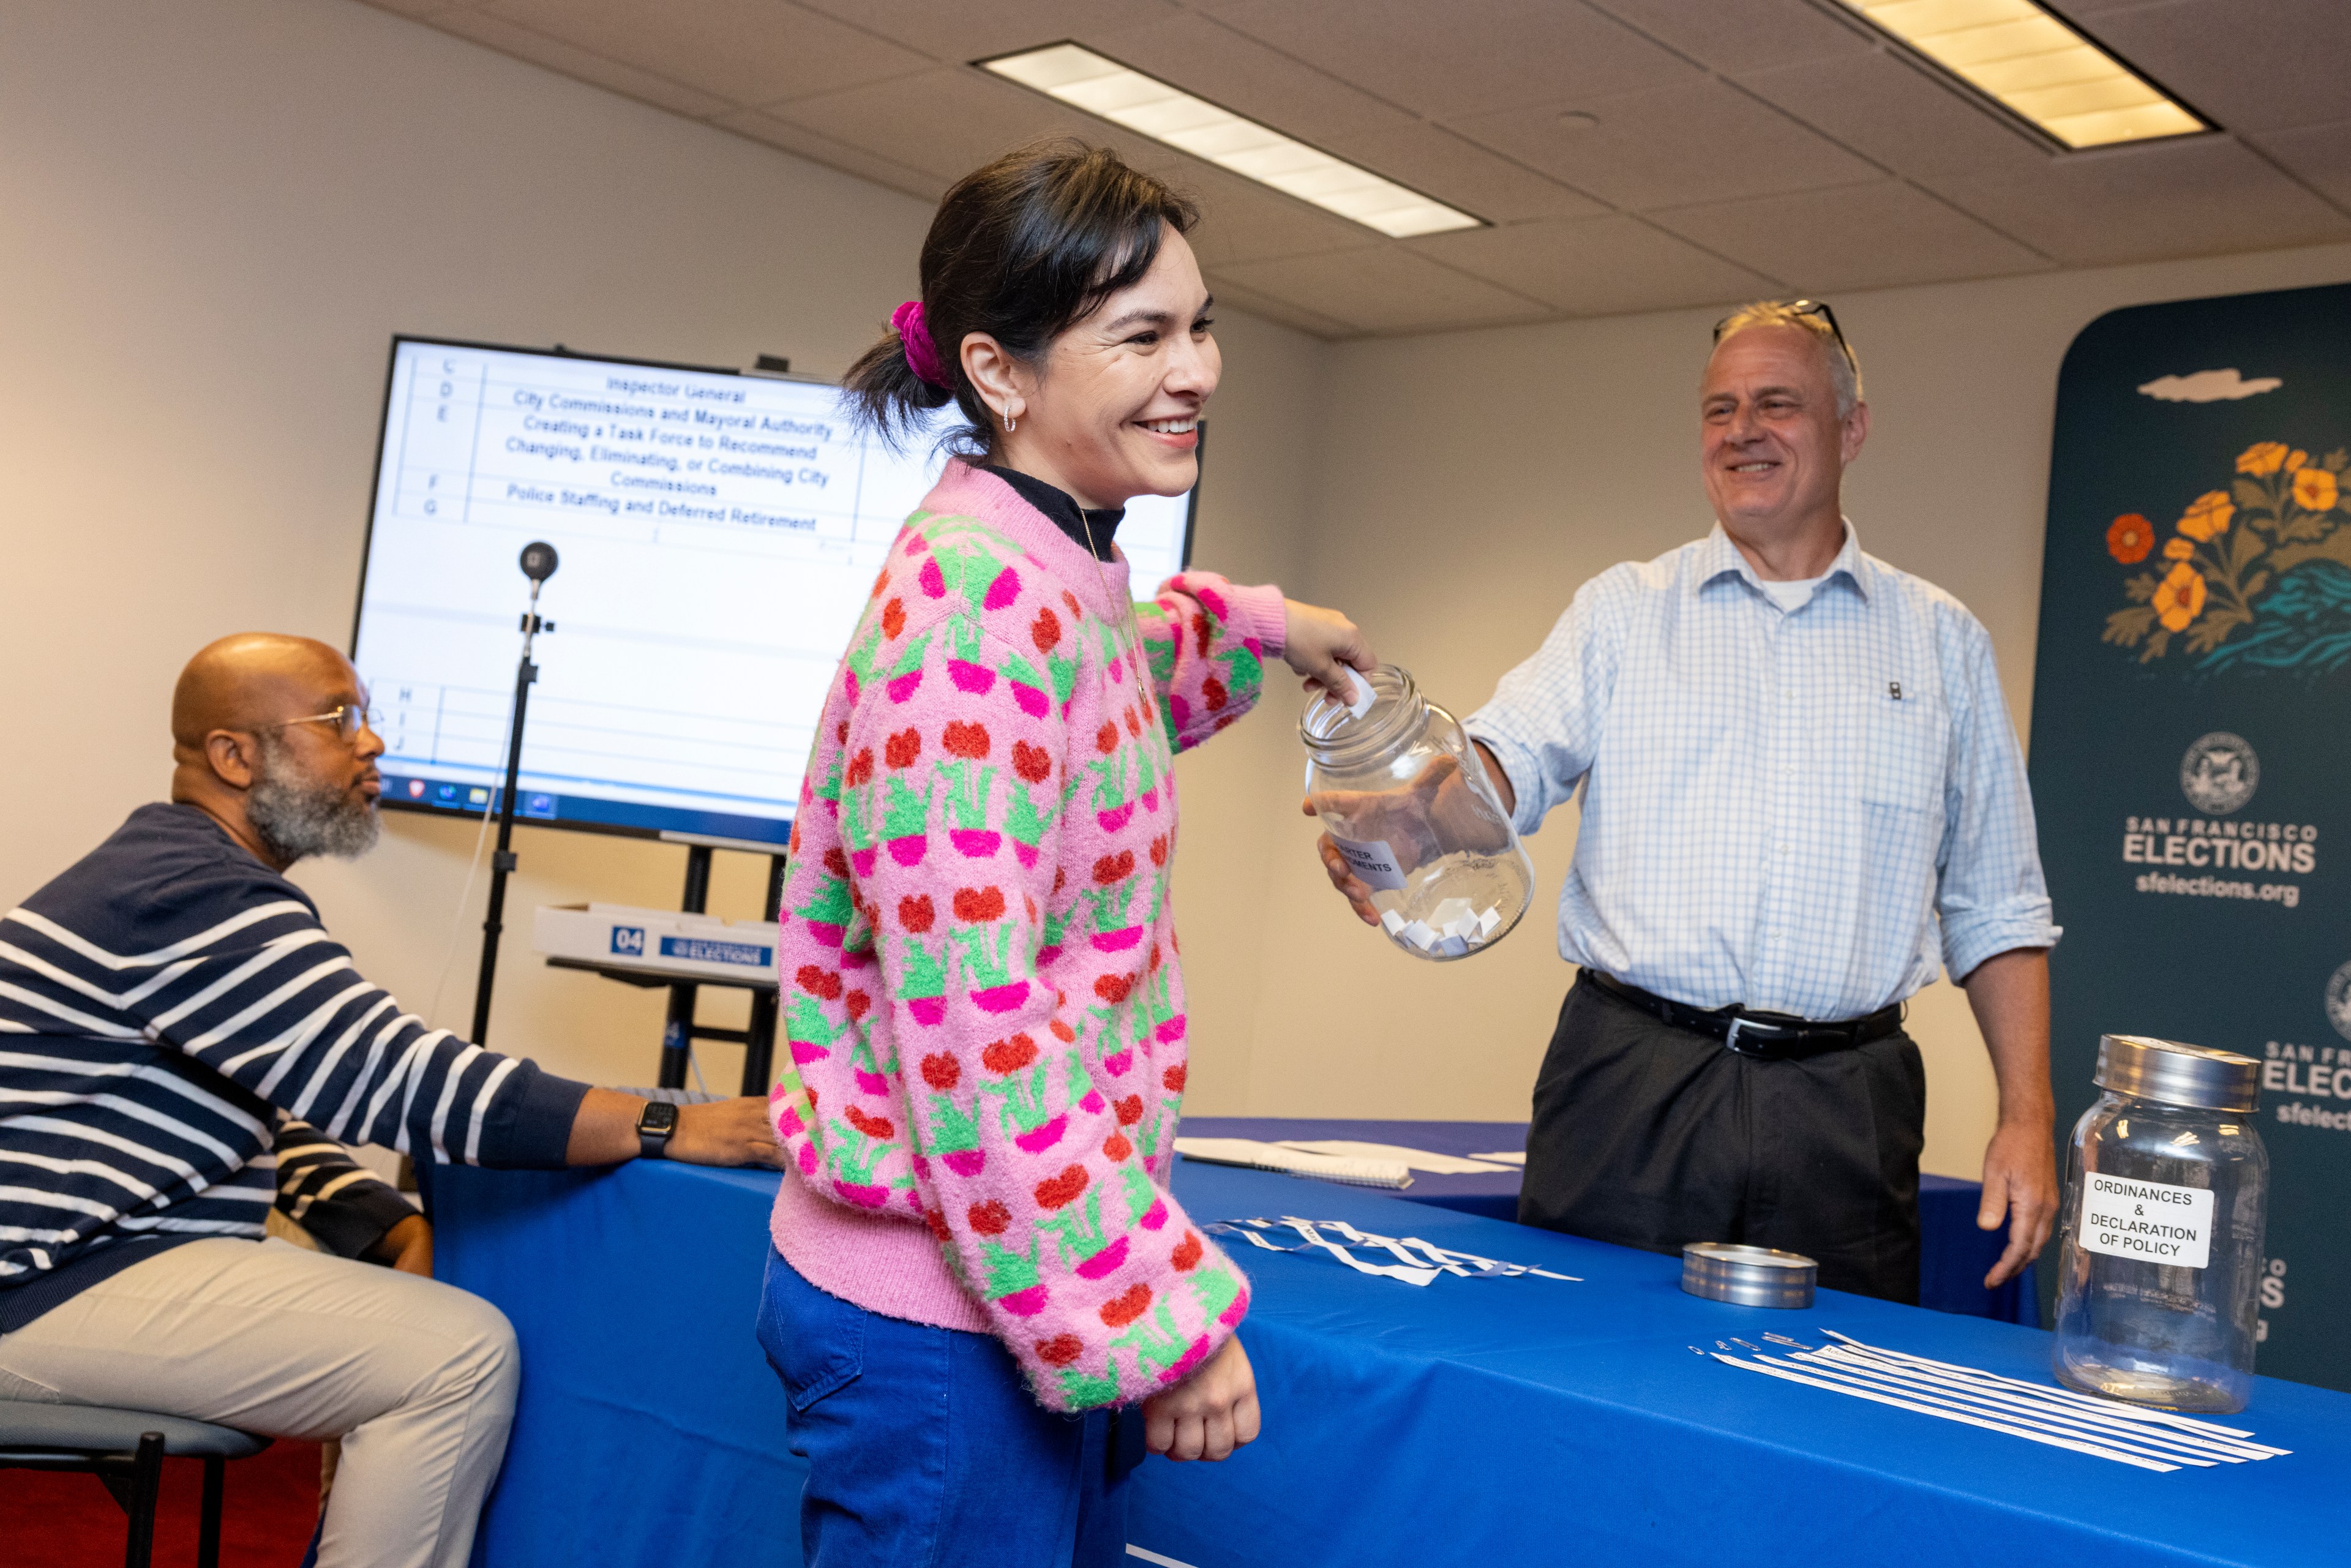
1718, 149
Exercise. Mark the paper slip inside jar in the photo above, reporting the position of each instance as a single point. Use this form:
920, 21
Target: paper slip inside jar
1451, 929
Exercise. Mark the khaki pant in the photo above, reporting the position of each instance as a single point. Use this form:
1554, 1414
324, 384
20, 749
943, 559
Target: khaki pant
416, 1377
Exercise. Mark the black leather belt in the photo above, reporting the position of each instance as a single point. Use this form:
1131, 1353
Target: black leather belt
1762, 1035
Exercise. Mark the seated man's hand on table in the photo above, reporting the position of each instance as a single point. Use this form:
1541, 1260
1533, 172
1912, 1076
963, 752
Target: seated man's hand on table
726, 1133
719, 1133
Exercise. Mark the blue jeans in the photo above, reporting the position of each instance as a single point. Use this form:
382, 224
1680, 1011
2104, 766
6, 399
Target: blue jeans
925, 1448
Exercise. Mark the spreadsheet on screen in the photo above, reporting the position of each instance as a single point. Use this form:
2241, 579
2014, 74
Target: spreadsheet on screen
719, 534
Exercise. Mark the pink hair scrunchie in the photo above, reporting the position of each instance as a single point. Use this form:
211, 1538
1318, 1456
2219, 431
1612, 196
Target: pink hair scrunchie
922, 354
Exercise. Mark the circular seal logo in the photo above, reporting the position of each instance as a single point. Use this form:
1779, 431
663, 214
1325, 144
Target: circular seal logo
2220, 773
2338, 1001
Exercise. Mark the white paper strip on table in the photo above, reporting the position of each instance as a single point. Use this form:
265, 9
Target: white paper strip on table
1946, 1414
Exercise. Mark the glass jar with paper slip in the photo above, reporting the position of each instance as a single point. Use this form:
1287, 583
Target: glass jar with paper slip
2159, 1257
1399, 791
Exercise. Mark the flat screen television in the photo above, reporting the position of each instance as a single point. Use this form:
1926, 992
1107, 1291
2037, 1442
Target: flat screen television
719, 534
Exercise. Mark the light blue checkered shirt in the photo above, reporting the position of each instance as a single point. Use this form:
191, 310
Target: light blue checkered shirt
1780, 807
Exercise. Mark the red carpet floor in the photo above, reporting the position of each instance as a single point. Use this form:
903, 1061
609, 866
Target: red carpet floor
68, 1521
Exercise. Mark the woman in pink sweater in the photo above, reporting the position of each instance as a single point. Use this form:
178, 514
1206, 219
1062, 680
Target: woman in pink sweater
978, 1261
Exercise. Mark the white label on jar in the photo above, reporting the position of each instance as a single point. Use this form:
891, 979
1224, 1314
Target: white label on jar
2149, 1220
1372, 860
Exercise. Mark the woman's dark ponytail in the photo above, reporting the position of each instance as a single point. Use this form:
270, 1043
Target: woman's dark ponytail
886, 396
1021, 249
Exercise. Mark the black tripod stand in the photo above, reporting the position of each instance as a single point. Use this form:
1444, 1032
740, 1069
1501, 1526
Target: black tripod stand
538, 563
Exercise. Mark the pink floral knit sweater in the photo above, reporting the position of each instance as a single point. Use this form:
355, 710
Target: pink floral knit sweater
980, 985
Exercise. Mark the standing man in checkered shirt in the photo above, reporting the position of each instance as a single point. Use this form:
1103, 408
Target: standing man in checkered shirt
1802, 796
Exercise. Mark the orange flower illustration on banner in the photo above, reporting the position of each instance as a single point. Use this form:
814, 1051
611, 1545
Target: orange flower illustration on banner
2179, 597
2208, 515
2233, 554
2129, 538
2261, 457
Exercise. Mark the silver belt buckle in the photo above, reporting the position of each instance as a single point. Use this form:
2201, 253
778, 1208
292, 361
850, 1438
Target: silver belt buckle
1760, 1027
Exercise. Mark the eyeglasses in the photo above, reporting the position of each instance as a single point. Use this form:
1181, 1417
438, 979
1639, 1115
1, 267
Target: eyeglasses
1807, 308
348, 719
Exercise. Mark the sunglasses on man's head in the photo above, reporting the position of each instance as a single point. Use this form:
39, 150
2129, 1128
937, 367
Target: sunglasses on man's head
1807, 308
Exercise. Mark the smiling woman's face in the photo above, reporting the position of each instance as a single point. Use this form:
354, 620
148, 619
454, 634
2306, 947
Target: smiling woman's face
1113, 410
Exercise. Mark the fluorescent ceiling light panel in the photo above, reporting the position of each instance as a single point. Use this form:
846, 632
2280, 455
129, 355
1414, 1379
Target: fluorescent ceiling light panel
2019, 54
1123, 96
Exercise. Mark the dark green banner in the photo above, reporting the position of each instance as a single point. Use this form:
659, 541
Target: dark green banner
2191, 741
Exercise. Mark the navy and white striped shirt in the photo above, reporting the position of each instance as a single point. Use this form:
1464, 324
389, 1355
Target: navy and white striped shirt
166, 1007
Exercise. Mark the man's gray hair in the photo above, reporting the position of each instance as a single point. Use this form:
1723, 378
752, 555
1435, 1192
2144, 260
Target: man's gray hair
1843, 364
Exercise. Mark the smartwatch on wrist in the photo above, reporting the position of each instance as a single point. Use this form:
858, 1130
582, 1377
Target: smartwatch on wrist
655, 1123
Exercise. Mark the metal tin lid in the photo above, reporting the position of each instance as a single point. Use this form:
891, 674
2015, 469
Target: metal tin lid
2176, 1073
1747, 1276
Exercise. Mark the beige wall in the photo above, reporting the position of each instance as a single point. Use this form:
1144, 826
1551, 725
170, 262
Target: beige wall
1470, 481
219, 215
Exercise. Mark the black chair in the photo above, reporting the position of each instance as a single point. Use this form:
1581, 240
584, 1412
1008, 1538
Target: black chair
125, 1449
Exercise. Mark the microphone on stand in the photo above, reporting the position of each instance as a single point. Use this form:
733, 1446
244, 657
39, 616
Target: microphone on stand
538, 561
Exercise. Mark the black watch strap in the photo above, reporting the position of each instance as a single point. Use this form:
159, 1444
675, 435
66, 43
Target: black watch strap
655, 1123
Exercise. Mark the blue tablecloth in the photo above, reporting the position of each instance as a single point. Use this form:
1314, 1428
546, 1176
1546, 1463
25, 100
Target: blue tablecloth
1496, 1420
1954, 1254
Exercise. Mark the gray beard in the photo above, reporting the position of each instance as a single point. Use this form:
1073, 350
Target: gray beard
298, 819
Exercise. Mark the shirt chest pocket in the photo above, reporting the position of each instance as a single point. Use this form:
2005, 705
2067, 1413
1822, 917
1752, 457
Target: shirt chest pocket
1905, 746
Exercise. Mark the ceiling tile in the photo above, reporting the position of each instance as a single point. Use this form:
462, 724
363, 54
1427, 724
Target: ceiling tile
1743, 34
2249, 64
1705, 141
2318, 154
1861, 237
1384, 289
951, 119
1235, 70
747, 52
761, 126
1456, 171
1241, 220
1596, 266
1896, 113
946, 122
959, 34
2201, 196
1463, 57
1228, 293
523, 43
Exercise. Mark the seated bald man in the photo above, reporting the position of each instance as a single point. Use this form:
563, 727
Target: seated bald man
175, 1018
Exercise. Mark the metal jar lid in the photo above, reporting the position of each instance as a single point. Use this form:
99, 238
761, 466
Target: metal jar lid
2178, 1074
1747, 1276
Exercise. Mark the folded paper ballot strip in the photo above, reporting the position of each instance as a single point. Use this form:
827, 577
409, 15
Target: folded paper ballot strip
1253, 1154
1451, 929
1415, 1159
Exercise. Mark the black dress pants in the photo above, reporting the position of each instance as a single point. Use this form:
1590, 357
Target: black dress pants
1652, 1136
